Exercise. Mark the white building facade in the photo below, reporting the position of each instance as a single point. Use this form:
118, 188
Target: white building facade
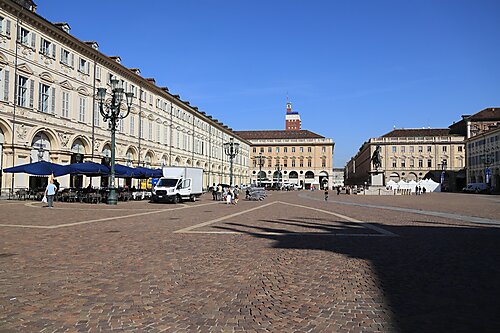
48, 109
483, 158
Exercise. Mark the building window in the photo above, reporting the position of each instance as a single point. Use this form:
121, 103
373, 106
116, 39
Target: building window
460, 149
412, 149
445, 149
277, 149
83, 66
293, 163
309, 163
394, 163
4, 26
261, 149
132, 125
27, 38
65, 104
285, 163
403, 149
254, 149
301, 149
97, 114
429, 149
269, 163
293, 149
22, 91
150, 130
301, 163
43, 98
429, 163
309, 149
269, 149
81, 113
412, 163
254, 163
420, 149
47, 48
323, 163
403, 163
285, 149
66, 57
420, 163
394, 149
323, 149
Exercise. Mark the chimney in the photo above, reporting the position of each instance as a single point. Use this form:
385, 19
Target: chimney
151, 80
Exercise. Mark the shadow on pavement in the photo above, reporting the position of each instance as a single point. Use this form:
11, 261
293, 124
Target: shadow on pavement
434, 278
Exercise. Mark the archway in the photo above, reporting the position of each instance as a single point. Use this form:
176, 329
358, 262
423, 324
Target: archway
40, 151
395, 177
293, 177
308, 179
323, 179
412, 176
77, 156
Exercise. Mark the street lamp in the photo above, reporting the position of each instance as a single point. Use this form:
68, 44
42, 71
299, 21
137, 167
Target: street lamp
231, 149
487, 162
261, 163
111, 112
278, 170
443, 165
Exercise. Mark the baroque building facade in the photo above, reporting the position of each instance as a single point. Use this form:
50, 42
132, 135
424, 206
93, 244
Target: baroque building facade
48, 109
483, 158
412, 154
290, 156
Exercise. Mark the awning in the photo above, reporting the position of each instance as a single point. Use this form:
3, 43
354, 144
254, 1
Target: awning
41, 168
89, 169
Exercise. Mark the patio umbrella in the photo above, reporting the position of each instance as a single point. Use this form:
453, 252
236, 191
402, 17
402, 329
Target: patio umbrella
123, 171
89, 169
41, 168
150, 173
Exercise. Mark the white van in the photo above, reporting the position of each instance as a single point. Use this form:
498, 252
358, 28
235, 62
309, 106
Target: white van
177, 184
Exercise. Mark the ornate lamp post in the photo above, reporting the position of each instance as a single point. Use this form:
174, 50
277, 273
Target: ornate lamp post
260, 161
111, 112
443, 165
278, 170
231, 149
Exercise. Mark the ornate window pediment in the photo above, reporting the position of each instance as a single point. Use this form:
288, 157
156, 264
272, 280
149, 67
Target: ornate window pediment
47, 77
81, 90
66, 84
3, 60
25, 68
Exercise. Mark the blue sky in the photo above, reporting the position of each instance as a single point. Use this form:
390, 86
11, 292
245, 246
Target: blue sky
353, 69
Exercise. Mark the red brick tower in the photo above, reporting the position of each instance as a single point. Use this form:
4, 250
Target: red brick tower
292, 119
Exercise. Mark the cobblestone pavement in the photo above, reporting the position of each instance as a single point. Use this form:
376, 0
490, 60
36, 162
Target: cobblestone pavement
291, 263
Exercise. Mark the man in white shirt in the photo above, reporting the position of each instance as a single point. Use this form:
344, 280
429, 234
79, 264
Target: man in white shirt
50, 192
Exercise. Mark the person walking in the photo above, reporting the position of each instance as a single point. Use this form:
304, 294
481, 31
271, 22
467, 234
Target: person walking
236, 195
219, 192
338, 190
214, 192
229, 197
50, 192
326, 193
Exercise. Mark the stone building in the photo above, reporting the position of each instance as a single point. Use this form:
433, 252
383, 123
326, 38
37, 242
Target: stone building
290, 156
412, 154
480, 131
483, 158
48, 109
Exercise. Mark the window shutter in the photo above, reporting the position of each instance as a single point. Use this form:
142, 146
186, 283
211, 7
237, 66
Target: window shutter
6, 86
62, 55
32, 92
33, 39
71, 59
7, 28
53, 50
53, 104
39, 97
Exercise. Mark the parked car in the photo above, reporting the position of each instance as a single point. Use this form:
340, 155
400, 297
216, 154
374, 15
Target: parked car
476, 188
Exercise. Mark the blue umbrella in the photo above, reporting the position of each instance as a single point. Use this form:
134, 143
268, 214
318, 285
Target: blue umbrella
41, 168
89, 169
122, 171
150, 173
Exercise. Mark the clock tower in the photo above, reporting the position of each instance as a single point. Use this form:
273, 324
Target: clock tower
292, 119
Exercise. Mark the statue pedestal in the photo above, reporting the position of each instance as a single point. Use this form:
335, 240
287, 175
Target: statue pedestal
377, 178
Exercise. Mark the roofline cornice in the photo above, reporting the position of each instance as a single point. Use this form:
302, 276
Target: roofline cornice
53, 31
